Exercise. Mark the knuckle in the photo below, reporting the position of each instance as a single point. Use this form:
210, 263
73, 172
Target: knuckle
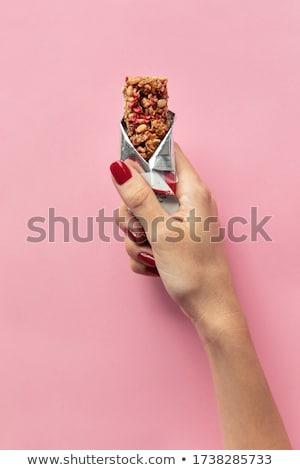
139, 198
117, 216
120, 222
134, 225
120, 215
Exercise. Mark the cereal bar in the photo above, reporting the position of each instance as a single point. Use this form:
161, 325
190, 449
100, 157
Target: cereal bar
146, 112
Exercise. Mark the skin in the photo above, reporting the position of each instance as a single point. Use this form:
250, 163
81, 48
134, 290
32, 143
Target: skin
197, 277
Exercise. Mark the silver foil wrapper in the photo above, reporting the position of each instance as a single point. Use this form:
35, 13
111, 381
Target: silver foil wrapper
159, 170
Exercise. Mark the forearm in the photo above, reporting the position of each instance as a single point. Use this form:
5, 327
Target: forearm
249, 416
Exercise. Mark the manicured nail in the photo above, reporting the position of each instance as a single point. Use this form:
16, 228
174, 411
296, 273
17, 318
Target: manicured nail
130, 234
120, 172
146, 259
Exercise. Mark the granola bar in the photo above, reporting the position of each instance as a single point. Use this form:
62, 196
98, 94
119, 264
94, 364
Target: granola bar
146, 112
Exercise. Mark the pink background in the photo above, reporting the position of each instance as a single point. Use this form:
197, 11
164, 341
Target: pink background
93, 356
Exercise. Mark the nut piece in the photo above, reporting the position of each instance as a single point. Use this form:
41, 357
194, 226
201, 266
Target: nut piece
133, 80
152, 145
141, 128
161, 103
129, 90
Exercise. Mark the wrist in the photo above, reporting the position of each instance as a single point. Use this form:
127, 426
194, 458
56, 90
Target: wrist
218, 320
229, 331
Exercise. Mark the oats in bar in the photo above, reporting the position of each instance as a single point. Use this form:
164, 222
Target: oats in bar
146, 112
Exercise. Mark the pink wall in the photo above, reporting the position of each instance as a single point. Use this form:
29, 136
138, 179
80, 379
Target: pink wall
93, 356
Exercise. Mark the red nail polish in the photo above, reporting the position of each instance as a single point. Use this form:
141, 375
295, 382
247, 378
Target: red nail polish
130, 234
146, 259
120, 172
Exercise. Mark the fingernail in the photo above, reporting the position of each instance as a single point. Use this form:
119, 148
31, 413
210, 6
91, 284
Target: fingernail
130, 234
120, 172
146, 259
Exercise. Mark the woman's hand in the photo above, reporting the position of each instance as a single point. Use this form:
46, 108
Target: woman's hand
183, 248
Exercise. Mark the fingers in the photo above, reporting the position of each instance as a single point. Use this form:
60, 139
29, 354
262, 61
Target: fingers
136, 193
142, 254
141, 258
130, 225
142, 269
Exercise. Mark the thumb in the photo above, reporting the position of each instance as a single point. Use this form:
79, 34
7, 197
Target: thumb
188, 178
136, 193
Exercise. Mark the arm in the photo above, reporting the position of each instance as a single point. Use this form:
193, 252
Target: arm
195, 273
248, 413
249, 417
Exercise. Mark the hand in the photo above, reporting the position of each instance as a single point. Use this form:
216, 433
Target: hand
181, 247
195, 273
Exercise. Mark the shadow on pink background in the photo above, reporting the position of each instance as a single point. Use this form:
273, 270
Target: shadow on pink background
93, 356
